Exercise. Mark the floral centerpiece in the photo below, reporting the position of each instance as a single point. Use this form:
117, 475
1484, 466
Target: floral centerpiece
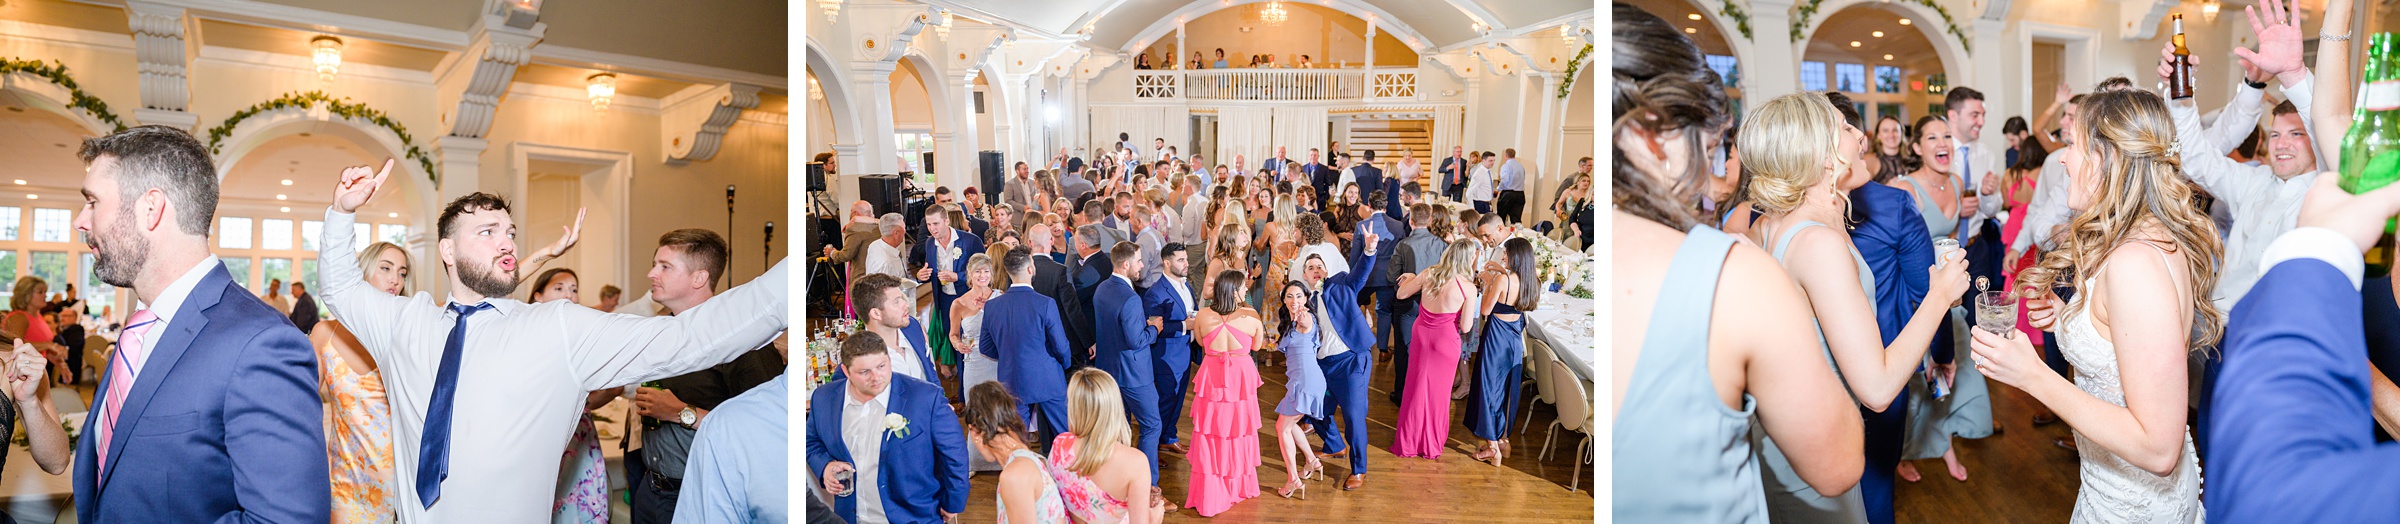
1559, 268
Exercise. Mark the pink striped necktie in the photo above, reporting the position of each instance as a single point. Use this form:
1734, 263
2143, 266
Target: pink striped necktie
129, 356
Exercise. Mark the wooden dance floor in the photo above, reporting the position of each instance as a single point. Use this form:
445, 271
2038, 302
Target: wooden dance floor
2016, 475
1452, 489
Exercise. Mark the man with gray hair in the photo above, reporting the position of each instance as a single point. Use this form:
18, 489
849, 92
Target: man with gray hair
888, 255
1093, 267
861, 230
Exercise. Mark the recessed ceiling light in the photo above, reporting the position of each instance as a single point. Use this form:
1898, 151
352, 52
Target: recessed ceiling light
1694, 16
287, 181
33, 197
395, 215
1903, 21
1887, 57
1878, 34
1691, 31
1854, 43
281, 197
287, 210
20, 181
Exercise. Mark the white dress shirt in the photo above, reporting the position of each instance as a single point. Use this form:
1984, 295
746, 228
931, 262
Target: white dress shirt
862, 432
169, 303
1194, 219
2320, 244
1479, 184
1183, 290
887, 259
904, 356
522, 374
2264, 206
1330, 343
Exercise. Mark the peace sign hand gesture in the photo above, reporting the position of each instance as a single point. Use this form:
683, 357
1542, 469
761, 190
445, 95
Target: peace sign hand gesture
357, 185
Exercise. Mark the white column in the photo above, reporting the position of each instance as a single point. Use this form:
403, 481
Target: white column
877, 150
164, 60
1370, 75
461, 173
1988, 40
1178, 61
964, 143
1773, 69
844, 185
1543, 157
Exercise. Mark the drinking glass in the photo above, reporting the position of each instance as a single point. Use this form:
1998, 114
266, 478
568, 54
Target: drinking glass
1996, 311
846, 477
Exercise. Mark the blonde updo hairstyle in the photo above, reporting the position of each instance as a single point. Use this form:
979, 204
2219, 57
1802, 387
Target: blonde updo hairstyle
1787, 146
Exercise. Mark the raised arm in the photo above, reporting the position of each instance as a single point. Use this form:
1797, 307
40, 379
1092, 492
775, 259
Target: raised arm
369, 314
610, 349
2152, 345
2330, 116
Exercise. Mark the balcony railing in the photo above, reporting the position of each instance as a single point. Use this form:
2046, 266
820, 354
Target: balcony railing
1382, 84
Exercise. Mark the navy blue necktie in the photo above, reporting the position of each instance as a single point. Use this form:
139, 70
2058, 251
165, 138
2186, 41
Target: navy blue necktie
433, 450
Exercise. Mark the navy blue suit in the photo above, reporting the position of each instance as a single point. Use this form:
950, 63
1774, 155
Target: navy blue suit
916, 338
223, 424
1378, 284
1453, 166
922, 473
1891, 236
1088, 275
1323, 178
1124, 338
1171, 354
2293, 430
1348, 374
1022, 330
1054, 279
1370, 179
969, 245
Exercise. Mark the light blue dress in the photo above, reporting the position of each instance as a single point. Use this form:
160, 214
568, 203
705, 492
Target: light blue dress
1789, 498
1680, 455
1304, 381
1967, 411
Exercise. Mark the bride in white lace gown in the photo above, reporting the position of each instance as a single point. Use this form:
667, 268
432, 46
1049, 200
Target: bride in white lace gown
2146, 260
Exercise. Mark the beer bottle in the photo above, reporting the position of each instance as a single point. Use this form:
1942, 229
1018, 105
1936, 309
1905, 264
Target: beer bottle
2368, 159
2179, 77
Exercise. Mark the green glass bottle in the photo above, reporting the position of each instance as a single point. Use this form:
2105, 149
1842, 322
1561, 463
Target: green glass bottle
2368, 150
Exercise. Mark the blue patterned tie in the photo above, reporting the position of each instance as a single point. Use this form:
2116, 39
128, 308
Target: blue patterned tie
433, 451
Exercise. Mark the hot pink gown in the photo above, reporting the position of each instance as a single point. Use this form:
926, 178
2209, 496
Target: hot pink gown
2033, 255
1225, 420
1424, 423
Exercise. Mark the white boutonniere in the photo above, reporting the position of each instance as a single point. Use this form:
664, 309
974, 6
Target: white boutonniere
896, 425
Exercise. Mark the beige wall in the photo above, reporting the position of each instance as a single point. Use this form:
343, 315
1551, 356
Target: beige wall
910, 109
1326, 35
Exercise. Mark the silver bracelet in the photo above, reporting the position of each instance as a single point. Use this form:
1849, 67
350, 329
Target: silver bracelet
2329, 37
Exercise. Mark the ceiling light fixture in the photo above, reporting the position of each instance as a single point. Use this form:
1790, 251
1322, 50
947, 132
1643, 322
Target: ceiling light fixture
2208, 10
1878, 34
832, 8
393, 215
286, 209
20, 181
282, 197
1887, 57
816, 93
287, 181
1691, 31
1855, 43
944, 29
603, 88
30, 196
1274, 13
326, 52
1693, 16
1904, 21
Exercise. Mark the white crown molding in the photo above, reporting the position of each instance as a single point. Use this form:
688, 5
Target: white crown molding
305, 19
765, 118
262, 59
66, 36
1583, 18
667, 69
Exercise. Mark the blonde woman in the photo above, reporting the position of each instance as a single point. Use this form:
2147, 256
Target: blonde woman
1798, 148
1407, 169
1104, 479
358, 421
2147, 260
1433, 353
966, 327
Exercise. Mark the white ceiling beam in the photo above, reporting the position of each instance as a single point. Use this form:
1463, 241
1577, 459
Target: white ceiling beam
1476, 11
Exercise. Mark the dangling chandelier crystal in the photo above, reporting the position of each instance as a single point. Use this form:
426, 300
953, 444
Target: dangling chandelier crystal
1274, 13
326, 52
832, 8
602, 88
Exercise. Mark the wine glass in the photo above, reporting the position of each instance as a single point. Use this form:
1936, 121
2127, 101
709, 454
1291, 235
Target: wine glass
1996, 312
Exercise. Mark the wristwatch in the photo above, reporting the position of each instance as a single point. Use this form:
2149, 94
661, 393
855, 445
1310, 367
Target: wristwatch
688, 418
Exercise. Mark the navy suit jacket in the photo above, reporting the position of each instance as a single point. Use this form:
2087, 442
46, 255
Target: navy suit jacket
1160, 300
921, 472
916, 337
1055, 280
1124, 333
1341, 290
1022, 330
1323, 178
1459, 165
1371, 179
1891, 236
1088, 277
1386, 240
304, 312
969, 245
2292, 433
222, 425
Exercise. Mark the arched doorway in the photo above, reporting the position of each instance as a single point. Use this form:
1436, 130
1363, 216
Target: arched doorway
1881, 59
922, 115
276, 174
40, 191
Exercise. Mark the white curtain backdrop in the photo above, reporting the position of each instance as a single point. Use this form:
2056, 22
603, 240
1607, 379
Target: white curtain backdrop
1245, 131
1144, 123
1300, 128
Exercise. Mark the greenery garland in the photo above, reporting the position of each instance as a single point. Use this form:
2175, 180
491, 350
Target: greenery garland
1741, 18
56, 73
1808, 9
1568, 80
341, 107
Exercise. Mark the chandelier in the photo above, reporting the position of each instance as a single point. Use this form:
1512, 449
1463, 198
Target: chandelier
1274, 13
944, 29
602, 88
326, 52
832, 8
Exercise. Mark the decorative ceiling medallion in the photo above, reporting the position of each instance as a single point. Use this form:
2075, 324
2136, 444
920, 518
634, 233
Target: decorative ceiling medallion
870, 44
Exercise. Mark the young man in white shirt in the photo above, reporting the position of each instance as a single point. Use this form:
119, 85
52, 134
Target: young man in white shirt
494, 456
882, 305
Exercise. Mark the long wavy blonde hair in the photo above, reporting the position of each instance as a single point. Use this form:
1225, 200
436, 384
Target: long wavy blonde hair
1096, 415
2128, 139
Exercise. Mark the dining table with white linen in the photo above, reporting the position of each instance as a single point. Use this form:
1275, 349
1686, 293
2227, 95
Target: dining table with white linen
1567, 325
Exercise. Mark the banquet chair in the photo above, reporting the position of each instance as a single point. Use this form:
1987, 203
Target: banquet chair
1539, 358
95, 355
1574, 414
